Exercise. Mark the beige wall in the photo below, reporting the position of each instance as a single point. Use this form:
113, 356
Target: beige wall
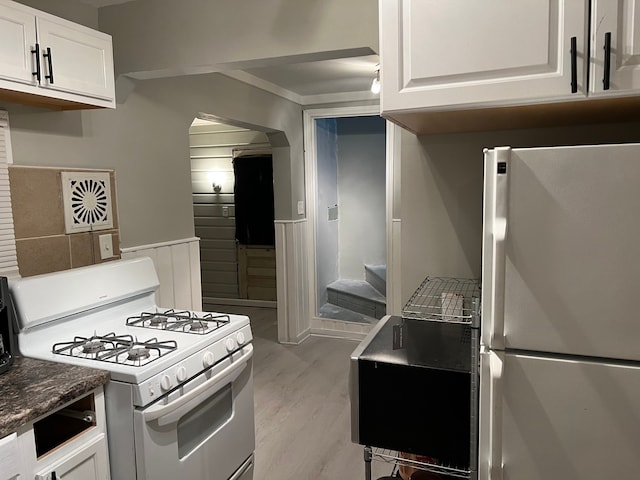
145, 140
441, 194
70, 9
169, 37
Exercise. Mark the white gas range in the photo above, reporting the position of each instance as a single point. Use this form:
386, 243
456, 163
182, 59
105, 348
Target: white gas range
180, 400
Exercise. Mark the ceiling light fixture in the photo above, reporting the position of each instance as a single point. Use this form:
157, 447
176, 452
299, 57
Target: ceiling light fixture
375, 85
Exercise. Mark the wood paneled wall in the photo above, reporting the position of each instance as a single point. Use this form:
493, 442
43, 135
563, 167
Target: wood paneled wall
212, 149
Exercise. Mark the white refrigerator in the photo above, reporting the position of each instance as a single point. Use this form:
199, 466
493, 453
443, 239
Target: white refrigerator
560, 340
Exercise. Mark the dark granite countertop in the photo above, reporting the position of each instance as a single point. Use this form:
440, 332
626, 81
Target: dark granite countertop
31, 388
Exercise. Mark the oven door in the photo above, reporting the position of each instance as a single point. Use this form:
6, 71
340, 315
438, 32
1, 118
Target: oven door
204, 429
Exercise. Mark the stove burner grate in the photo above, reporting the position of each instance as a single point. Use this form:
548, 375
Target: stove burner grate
179, 321
90, 347
139, 353
119, 349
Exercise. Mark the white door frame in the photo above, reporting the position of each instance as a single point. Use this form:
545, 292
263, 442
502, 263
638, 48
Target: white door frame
311, 186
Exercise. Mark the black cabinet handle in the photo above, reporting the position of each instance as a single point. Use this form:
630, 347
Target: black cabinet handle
54, 476
607, 61
37, 73
574, 65
50, 63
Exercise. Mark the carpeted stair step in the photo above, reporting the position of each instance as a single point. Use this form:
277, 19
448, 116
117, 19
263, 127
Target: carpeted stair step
358, 296
335, 312
376, 276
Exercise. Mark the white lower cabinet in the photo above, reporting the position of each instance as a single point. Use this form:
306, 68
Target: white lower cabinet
67, 444
87, 462
10, 465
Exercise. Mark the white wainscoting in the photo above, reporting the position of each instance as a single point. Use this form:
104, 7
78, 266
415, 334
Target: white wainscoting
328, 327
292, 280
178, 266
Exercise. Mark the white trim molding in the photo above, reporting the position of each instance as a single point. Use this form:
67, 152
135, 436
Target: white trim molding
178, 266
328, 327
394, 222
293, 292
239, 302
331, 327
303, 100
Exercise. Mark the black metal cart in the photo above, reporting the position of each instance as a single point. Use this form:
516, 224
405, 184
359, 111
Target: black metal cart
414, 383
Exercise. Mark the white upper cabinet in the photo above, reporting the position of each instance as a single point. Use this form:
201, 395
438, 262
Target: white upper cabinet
49, 61
443, 54
17, 38
615, 47
80, 58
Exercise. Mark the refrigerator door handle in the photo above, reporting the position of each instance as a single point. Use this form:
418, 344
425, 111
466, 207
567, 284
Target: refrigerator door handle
494, 261
497, 283
495, 417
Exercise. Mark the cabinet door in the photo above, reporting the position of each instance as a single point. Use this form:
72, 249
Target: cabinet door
454, 53
17, 38
81, 58
621, 20
86, 463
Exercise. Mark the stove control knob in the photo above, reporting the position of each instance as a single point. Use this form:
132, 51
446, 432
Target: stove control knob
230, 344
165, 383
181, 374
208, 359
240, 338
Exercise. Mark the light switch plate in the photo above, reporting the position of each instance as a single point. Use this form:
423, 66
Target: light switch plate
333, 213
106, 246
300, 207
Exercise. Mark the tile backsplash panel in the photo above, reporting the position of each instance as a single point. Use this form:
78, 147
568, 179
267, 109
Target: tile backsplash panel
38, 215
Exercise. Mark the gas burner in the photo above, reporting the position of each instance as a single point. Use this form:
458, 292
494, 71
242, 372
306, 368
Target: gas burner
158, 320
197, 326
179, 321
112, 348
93, 346
137, 354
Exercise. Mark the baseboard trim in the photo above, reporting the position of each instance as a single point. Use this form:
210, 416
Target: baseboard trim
326, 327
299, 339
242, 302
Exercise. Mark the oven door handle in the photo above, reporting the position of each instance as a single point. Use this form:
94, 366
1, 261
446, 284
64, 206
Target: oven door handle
243, 469
172, 412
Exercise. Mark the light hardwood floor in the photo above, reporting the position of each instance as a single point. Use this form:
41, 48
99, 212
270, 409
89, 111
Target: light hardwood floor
302, 409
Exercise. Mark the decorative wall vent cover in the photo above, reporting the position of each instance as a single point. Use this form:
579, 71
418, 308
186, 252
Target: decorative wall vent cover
87, 201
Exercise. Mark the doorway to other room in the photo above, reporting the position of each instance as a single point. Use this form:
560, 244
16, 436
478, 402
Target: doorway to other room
348, 190
232, 182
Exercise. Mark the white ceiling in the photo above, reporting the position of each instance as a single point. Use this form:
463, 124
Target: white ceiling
306, 83
316, 82
103, 3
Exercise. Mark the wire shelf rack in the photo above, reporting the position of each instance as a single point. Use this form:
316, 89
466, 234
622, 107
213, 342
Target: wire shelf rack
445, 299
393, 457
